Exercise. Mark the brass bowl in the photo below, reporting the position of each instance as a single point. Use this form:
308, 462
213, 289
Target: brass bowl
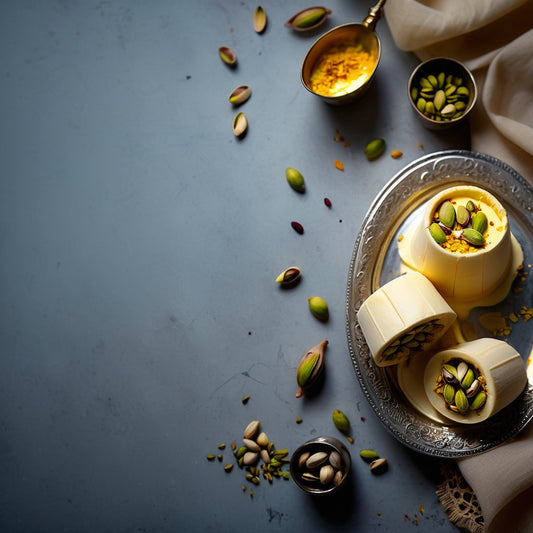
361, 35
448, 66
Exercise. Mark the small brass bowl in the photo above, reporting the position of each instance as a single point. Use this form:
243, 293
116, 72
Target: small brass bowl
360, 35
434, 67
321, 444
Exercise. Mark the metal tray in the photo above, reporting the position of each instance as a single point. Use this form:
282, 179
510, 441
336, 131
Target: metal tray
375, 261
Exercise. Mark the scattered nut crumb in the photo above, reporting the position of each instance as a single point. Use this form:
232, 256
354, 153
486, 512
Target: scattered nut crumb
396, 154
338, 165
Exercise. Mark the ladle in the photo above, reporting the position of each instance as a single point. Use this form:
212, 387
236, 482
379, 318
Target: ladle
353, 34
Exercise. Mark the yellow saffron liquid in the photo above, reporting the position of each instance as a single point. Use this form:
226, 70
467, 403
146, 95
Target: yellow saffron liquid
341, 70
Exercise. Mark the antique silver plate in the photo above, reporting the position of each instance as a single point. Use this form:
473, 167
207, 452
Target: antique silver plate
375, 261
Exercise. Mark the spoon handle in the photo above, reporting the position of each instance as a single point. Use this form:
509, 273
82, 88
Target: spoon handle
374, 14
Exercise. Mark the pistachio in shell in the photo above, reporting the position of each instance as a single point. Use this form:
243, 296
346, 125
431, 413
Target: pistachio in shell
227, 55
240, 124
295, 179
239, 95
310, 368
341, 421
308, 19
318, 307
259, 19
289, 276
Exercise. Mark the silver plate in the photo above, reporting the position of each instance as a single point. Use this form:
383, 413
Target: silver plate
375, 261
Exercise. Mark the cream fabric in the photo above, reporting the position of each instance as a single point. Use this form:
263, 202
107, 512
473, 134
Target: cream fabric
494, 38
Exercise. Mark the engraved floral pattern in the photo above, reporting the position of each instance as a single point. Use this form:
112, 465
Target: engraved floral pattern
409, 189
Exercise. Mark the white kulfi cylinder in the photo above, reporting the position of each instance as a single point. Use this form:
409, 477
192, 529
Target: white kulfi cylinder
501, 366
404, 317
463, 276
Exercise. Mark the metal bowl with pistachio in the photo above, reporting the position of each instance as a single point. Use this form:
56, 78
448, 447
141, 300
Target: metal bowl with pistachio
442, 92
321, 465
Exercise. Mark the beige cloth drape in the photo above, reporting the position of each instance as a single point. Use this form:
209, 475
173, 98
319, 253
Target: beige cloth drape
494, 38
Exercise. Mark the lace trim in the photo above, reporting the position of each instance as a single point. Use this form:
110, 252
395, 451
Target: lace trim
459, 500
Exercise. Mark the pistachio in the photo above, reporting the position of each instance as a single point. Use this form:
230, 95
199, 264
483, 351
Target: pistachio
227, 55
461, 401
250, 458
480, 222
310, 368
210, 457
439, 99
307, 476
374, 149
295, 179
308, 19
337, 478
462, 369
471, 206
251, 429
335, 460
240, 124
316, 460
251, 445
463, 215
378, 466
259, 19
479, 400
264, 456
448, 393
474, 388
318, 307
303, 458
327, 473
239, 95
473, 236
447, 214
228, 468
369, 455
289, 276
240, 452
341, 421
262, 439
437, 233
468, 379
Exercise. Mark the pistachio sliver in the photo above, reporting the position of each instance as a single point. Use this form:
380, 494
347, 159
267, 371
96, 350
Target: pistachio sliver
227, 55
308, 19
240, 124
259, 19
239, 95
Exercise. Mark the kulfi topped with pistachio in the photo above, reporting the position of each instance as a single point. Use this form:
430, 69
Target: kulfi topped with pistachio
464, 246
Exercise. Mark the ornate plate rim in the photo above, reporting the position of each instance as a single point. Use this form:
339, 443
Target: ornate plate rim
408, 189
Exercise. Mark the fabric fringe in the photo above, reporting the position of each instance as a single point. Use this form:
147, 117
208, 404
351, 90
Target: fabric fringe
459, 500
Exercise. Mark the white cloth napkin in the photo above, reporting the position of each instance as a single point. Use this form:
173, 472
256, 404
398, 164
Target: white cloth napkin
494, 39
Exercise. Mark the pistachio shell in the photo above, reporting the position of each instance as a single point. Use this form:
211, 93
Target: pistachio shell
289, 276
303, 458
227, 55
335, 460
316, 460
480, 222
341, 421
240, 124
374, 149
308, 19
378, 466
239, 95
251, 445
318, 307
260, 19
295, 179
310, 367
327, 473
